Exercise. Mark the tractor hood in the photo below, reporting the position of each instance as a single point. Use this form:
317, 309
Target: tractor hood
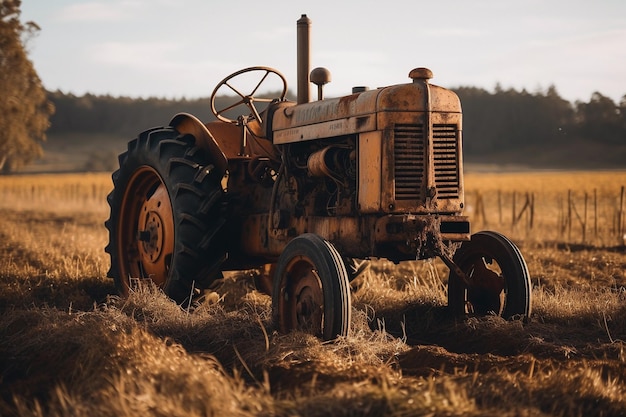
358, 113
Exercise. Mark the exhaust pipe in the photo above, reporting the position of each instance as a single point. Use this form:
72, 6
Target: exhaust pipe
304, 58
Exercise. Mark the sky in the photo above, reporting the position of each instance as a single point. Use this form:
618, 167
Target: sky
182, 48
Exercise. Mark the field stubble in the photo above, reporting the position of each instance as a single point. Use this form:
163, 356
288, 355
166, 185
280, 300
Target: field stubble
69, 346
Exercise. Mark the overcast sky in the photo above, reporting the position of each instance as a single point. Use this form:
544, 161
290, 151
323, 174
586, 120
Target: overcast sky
182, 48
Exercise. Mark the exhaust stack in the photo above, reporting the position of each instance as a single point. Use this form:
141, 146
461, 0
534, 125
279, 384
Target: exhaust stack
304, 58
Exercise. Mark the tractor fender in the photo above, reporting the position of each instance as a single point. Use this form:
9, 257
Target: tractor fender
187, 123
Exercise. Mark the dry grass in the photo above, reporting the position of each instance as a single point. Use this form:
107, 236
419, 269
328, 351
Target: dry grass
69, 347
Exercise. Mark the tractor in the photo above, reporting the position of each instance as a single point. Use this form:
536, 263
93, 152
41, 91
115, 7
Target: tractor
308, 190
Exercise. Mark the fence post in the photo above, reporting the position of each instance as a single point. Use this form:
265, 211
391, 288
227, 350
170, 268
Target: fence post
569, 215
499, 207
585, 217
620, 213
595, 213
513, 213
532, 209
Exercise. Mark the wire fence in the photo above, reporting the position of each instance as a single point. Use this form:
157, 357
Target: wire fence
574, 216
589, 216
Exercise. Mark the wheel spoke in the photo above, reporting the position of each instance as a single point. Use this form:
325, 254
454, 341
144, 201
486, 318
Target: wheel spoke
255, 113
232, 106
235, 90
259, 83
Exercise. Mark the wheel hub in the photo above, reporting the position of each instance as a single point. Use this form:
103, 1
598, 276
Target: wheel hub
307, 308
305, 298
486, 293
152, 237
493, 278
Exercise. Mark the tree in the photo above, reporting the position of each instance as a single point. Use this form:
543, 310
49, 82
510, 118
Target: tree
24, 109
601, 120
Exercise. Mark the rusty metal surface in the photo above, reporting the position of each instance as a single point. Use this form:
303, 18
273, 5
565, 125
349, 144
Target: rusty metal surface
370, 165
303, 58
186, 123
327, 118
362, 112
227, 136
396, 237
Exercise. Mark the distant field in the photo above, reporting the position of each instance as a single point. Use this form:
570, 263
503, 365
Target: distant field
76, 152
69, 346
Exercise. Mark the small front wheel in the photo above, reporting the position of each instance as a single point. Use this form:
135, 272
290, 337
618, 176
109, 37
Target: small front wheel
498, 278
311, 289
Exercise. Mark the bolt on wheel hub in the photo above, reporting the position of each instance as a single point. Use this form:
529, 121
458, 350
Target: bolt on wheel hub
152, 236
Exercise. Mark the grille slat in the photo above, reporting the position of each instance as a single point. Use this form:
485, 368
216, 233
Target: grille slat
445, 147
410, 161
409, 155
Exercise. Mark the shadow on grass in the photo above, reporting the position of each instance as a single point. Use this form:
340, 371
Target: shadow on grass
62, 294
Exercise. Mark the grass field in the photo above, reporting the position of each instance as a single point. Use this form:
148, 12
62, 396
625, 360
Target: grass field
70, 347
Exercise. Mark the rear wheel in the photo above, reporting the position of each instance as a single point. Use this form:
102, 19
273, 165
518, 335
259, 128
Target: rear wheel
166, 215
499, 282
311, 290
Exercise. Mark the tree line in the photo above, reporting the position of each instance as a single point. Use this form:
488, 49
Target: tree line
119, 116
511, 119
494, 122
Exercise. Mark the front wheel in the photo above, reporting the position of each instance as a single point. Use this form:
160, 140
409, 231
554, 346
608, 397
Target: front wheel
498, 278
311, 289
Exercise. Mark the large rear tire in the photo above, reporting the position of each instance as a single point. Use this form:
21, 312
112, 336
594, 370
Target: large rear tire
166, 216
498, 277
311, 289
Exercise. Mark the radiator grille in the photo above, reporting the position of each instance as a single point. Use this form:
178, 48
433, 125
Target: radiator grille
410, 161
409, 155
446, 161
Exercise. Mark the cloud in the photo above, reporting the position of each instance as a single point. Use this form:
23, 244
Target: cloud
354, 57
165, 66
135, 55
453, 32
577, 63
273, 34
98, 11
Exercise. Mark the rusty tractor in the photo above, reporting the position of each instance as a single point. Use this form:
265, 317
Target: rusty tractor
310, 188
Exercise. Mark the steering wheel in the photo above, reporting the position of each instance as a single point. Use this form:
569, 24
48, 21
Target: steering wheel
258, 75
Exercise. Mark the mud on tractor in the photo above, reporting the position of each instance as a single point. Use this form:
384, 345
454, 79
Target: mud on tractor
311, 188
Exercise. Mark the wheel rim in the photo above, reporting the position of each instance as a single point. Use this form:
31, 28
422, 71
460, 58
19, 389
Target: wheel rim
486, 292
146, 229
301, 305
496, 281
